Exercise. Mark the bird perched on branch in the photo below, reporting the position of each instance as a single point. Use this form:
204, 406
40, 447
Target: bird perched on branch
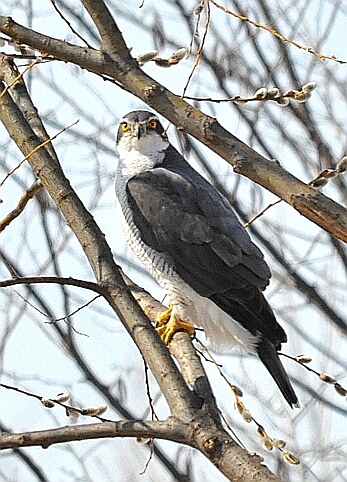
188, 237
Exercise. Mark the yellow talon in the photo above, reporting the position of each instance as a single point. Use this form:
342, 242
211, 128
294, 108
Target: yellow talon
168, 324
165, 316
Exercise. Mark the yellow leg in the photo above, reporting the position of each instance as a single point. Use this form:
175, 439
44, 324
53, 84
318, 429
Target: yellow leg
168, 324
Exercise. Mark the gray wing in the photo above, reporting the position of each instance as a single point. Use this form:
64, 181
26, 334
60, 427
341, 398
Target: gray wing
180, 214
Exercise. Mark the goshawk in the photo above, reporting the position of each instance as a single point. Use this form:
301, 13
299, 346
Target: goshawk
188, 237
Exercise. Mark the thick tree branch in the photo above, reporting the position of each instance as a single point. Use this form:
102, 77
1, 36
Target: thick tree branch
182, 349
170, 429
118, 64
107, 29
12, 77
26, 459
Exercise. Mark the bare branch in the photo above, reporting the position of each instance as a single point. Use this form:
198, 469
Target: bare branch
42, 144
274, 32
168, 430
323, 211
28, 461
29, 194
62, 16
89, 285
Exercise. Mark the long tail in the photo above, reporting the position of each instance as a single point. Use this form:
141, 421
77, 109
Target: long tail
269, 356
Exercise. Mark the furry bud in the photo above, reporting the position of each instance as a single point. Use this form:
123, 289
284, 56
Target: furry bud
146, 57
94, 411
179, 54
325, 377
47, 402
61, 397
342, 165
260, 93
309, 87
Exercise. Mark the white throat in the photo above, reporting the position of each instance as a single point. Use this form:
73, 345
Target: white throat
140, 155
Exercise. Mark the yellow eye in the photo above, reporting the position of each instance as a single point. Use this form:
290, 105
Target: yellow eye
153, 124
124, 126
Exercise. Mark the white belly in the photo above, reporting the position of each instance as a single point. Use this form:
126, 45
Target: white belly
222, 331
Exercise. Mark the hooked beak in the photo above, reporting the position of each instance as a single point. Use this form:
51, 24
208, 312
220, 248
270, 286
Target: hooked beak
138, 130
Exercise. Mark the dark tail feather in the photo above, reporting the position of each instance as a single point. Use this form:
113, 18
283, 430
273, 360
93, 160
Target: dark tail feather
269, 356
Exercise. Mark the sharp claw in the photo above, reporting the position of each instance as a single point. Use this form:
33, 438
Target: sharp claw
169, 324
165, 316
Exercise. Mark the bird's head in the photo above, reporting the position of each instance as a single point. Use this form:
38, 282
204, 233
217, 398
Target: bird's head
141, 131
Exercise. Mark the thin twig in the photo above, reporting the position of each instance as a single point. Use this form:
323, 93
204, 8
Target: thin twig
148, 391
200, 49
324, 377
29, 194
61, 15
277, 34
53, 400
35, 150
248, 223
65, 317
79, 283
37, 61
267, 442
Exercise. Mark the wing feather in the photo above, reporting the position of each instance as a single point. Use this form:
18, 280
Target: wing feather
180, 214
